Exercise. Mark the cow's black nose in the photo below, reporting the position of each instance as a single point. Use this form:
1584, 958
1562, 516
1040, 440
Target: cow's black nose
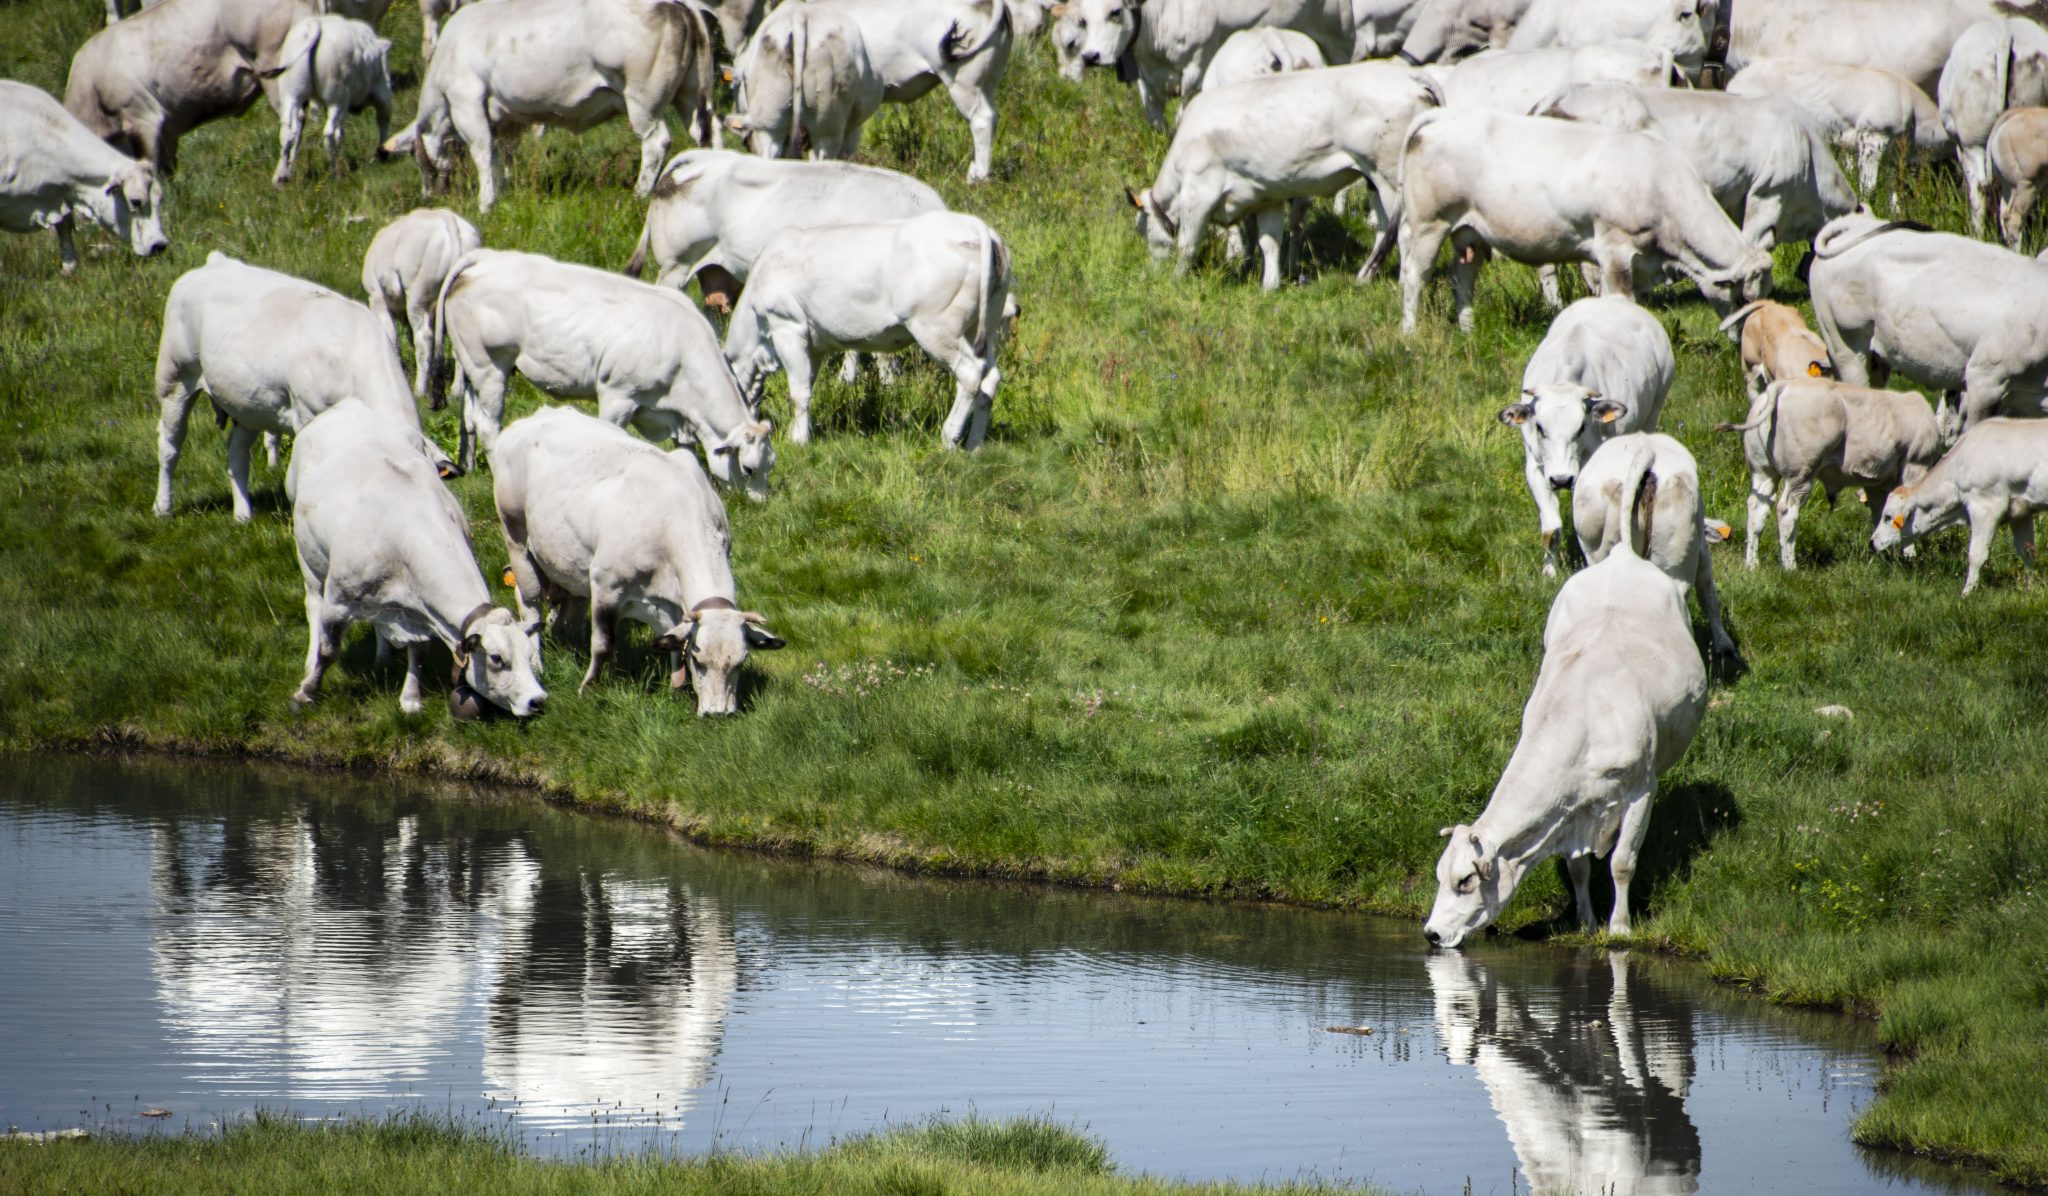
1091, 58
1433, 937
1560, 482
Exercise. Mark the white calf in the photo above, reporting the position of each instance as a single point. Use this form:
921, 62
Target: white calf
407, 262
338, 64
1672, 525
1997, 473
805, 82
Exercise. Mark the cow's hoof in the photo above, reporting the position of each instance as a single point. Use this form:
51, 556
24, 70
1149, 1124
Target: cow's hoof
301, 699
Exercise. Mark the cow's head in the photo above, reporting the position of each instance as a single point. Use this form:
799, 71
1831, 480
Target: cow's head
1911, 512
1158, 228
130, 205
714, 640
1106, 28
1066, 40
742, 459
1746, 281
1562, 423
496, 658
1473, 882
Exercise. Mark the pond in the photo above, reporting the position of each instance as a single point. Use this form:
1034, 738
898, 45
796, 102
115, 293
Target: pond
212, 939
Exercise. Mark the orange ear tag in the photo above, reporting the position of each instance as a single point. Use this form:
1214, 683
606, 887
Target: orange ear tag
509, 579
1899, 522
1813, 369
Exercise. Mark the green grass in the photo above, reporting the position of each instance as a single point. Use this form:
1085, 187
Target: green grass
431, 1157
1241, 598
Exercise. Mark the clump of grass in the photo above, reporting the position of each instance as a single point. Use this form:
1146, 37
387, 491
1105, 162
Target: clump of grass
1294, 544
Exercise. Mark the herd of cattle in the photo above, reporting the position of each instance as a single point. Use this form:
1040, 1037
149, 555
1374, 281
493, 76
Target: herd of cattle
1639, 139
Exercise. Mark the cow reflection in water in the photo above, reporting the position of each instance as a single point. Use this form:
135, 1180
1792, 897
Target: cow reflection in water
1590, 1084
326, 956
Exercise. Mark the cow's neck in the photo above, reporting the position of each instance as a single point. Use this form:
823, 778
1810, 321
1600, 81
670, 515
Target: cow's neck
448, 591
1535, 800
700, 573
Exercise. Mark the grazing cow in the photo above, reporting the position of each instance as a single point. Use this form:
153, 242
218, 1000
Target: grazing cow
963, 44
2018, 154
1677, 27
407, 262
1255, 148
1995, 65
1447, 30
1551, 191
1996, 473
382, 541
570, 64
1672, 525
592, 514
714, 211
1765, 163
941, 281
1909, 38
1255, 53
1517, 80
1776, 344
1948, 312
645, 353
144, 82
1865, 110
1617, 701
1802, 431
52, 170
271, 351
805, 82
1165, 46
339, 64
1603, 369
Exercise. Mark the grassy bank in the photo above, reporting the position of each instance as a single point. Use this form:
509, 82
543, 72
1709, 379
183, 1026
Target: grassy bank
1240, 599
423, 1155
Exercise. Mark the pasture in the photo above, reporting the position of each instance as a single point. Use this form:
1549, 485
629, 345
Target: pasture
1239, 600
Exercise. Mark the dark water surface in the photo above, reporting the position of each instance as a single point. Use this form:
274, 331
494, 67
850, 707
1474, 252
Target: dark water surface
212, 939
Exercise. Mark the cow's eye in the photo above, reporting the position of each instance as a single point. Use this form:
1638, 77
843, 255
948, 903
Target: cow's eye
1116, 14
497, 661
1469, 883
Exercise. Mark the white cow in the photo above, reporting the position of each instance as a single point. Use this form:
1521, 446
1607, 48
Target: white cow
1255, 53
1996, 473
940, 281
1909, 38
591, 514
406, 264
1671, 525
1603, 369
271, 351
1165, 46
53, 170
1803, 431
1447, 30
1677, 27
382, 541
645, 353
961, 44
1776, 344
2018, 156
1551, 191
1379, 27
1517, 80
1254, 148
1865, 110
1995, 65
804, 82
1948, 312
570, 64
1620, 695
714, 211
337, 63
1765, 163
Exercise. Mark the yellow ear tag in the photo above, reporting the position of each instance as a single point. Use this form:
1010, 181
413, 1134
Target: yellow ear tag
1813, 369
725, 75
1899, 522
509, 579
1609, 417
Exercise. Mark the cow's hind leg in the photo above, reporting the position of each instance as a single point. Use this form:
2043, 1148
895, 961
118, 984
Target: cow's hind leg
792, 343
604, 619
291, 123
324, 628
177, 384
409, 699
1635, 826
974, 101
1272, 228
1581, 869
473, 124
330, 135
241, 439
67, 249
1420, 241
2012, 219
2023, 538
1792, 494
1710, 603
652, 131
1762, 491
1468, 250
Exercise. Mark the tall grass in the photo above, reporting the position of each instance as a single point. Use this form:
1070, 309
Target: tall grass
1241, 598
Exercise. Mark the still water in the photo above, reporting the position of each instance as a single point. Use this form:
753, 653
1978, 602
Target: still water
212, 939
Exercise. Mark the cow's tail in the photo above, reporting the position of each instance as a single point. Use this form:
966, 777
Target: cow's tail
636, 266
437, 364
1833, 242
1763, 416
2006, 50
982, 339
955, 46
799, 45
298, 46
1736, 317
1638, 494
703, 75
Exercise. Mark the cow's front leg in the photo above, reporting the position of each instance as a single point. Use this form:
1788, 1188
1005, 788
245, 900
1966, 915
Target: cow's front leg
1710, 602
977, 107
1548, 518
889, 368
2023, 538
792, 344
849, 368
1870, 146
1976, 186
654, 141
1152, 95
1547, 286
1467, 251
1762, 490
331, 136
409, 699
176, 386
1387, 221
1792, 494
1983, 526
1581, 869
241, 439
1272, 227
1635, 825
473, 125
1617, 262
604, 618
67, 249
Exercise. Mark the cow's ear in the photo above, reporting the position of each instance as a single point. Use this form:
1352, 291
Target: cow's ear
473, 641
112, 187
1605, 410
1482, 863
763, 639
1057, 11
1515, 415
1444, 832
1134, 199
736, 123
1717, 531
675, 637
